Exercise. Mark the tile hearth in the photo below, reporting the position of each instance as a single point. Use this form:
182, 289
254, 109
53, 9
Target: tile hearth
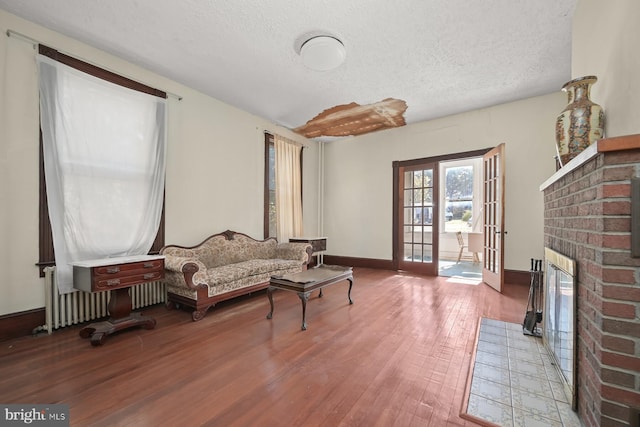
514, 382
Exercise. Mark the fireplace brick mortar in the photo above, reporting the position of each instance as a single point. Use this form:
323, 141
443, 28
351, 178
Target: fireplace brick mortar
587, 217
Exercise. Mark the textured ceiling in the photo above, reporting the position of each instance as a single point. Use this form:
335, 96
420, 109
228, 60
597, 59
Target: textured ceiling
439, 56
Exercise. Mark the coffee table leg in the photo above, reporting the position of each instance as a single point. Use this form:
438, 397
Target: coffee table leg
349, 294
304, 296
270, 295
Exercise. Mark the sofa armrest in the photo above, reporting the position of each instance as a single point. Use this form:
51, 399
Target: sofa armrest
192, 270
297, 251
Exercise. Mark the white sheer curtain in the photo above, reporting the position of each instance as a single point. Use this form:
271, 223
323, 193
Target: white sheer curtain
104, 158
288, 188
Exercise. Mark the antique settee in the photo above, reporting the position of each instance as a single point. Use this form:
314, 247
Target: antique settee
227, 265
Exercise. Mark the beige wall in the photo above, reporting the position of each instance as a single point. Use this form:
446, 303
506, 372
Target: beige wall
214, 169
605, 40
606, 36
208, 190
358, 216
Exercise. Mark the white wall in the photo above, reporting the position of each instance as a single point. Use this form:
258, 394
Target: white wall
606, 36
214, 172
358, 216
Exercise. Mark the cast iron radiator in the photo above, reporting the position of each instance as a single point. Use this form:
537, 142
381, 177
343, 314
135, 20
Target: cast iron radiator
77, 307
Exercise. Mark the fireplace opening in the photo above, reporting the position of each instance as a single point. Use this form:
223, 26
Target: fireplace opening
559, 334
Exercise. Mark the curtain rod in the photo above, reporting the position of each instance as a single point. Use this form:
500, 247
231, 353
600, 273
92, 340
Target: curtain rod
301, 144
34, 42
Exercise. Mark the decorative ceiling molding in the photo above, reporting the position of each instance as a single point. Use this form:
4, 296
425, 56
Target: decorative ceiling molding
355, 119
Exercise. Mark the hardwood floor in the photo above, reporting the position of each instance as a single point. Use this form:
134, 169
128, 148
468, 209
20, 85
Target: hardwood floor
398, 356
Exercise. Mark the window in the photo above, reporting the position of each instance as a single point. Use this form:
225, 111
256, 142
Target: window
47, 255
270, 220
458, 198
282, 188
459, 191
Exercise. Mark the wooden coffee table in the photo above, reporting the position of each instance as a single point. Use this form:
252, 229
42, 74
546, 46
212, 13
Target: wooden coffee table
307, 281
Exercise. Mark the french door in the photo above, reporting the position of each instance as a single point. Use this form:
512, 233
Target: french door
493, 218
416, 218
416, 214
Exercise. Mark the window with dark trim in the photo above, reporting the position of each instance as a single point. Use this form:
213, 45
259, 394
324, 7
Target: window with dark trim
47, 255
270, 227
269, 186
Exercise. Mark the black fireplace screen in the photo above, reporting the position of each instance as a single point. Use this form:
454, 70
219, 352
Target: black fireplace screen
559, 334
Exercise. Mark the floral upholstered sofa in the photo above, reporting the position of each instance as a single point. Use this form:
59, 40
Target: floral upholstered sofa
227, 265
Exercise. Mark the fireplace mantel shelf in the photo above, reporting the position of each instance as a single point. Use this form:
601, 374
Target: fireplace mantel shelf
619, 143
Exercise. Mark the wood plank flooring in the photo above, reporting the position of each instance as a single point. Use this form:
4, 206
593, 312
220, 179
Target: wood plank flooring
399, 356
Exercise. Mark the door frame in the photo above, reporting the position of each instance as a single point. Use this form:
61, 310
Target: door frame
398, 165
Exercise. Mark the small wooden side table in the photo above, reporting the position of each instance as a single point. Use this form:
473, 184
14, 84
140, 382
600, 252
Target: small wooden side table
318, 245
117, 275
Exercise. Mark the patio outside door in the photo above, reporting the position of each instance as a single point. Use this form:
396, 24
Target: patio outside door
417, 215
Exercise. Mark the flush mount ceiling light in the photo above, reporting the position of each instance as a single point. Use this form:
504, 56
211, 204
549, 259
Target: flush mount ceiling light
322, 53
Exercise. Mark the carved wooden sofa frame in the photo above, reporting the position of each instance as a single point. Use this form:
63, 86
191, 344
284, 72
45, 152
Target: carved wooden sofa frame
189, 267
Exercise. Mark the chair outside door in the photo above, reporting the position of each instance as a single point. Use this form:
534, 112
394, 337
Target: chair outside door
464, 247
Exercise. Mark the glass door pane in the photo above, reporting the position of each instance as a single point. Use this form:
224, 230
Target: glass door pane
418, 217
493, 224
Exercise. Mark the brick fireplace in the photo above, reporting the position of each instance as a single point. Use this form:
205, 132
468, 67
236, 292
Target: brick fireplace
587, 217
